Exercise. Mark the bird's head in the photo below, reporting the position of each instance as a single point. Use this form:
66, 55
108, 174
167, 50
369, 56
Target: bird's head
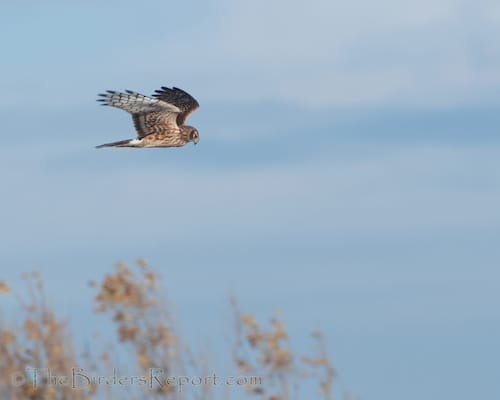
194, 136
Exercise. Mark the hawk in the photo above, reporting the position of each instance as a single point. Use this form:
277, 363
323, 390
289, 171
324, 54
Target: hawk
159, 119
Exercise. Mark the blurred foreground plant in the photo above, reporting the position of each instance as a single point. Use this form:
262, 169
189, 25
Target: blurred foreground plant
30, 347
35, 351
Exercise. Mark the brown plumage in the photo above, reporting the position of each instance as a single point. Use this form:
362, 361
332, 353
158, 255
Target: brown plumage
159, 120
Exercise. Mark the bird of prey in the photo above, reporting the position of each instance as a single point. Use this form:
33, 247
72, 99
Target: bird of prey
159, 119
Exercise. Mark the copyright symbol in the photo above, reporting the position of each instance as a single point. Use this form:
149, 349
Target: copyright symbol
18, 379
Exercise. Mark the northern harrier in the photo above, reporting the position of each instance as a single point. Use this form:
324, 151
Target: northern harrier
158, 120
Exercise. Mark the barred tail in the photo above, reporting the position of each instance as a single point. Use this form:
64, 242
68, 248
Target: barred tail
121, 143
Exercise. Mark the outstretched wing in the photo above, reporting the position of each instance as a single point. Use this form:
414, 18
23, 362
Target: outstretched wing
150, 115
180, 99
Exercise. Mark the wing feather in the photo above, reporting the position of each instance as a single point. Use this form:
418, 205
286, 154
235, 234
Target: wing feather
135, 103
180, 99
149, 114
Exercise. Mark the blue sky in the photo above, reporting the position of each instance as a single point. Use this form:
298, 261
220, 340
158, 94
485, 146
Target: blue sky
347, 173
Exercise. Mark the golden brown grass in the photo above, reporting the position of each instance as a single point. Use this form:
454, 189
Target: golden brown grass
36, 350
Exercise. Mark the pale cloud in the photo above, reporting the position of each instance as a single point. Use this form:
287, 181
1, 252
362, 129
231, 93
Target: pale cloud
405, 191
324, 53
312, 54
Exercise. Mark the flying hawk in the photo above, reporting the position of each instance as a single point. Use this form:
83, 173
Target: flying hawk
158, 120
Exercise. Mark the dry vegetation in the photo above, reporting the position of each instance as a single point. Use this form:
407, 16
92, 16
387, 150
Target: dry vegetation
38, 359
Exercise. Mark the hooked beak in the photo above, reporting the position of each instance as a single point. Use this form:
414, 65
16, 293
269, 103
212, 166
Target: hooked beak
196, 140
